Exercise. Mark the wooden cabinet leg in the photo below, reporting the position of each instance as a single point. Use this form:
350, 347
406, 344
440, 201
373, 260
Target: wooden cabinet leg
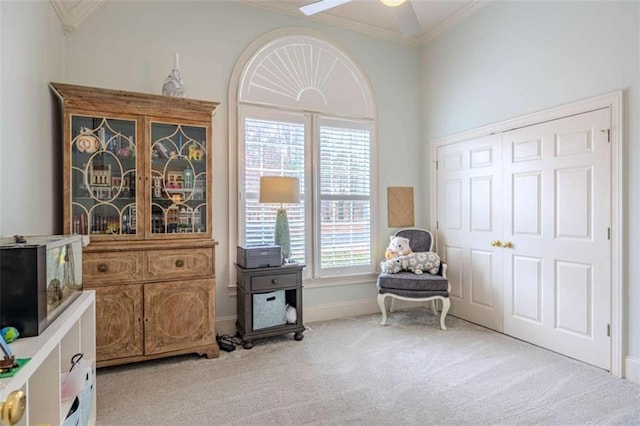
247, 344
298, 335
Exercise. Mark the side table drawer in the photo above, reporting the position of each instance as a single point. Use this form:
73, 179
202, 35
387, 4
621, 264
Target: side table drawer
273, 282
109, 267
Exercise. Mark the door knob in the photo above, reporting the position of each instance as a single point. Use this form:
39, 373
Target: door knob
495, 243
507, 244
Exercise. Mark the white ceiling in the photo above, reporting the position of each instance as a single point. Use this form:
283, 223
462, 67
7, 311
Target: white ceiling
374, 18
365, 16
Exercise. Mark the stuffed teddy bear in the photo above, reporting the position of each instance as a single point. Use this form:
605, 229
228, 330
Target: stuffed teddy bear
398, 246
414, 262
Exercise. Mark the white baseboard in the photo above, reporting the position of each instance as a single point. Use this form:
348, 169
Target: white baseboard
340, 310
632, 369
227, 325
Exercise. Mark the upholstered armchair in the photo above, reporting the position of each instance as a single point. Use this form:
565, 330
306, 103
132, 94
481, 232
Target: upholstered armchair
414, 287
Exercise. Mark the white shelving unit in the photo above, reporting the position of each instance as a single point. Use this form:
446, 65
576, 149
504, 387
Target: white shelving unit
50, 352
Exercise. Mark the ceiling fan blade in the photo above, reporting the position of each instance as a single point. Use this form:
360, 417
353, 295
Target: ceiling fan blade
409, 24
321, 6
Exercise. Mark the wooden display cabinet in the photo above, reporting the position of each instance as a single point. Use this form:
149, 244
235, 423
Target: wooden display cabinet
137, 181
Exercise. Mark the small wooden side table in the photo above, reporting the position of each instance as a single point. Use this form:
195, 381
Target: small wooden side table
253, 281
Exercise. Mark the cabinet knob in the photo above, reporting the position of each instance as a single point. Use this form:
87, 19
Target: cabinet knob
179, 263
102, 267
12, 409
507, 244
495, 243
274, 281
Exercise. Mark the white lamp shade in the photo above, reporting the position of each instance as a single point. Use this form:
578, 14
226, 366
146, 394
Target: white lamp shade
279, 189
392, 3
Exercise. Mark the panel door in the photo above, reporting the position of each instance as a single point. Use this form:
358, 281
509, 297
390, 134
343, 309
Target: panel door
179, 315
118, 321
469, 221
557, 271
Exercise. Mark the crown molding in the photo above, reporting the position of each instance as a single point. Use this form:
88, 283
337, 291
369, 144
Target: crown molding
453, 20
336, 21
72, 13
372, 30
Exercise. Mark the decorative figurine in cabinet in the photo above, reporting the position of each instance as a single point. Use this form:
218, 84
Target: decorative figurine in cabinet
137, 179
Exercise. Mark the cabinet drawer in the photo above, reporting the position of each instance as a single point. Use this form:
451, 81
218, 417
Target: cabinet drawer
180, 263
106, 267
272, 282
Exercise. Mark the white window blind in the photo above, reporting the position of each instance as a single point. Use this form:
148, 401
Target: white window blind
273, 147
331, 227
345, 196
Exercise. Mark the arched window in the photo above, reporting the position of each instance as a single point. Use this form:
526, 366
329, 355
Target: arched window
305, 109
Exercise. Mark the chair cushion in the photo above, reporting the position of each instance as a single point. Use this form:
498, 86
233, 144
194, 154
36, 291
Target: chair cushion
412, 294
412, 283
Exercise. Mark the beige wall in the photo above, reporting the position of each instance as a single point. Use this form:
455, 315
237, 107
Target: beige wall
31, 46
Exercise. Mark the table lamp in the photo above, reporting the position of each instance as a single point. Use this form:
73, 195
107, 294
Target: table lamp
280, 189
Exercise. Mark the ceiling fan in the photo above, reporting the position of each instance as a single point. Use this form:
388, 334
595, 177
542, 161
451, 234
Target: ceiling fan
409, 24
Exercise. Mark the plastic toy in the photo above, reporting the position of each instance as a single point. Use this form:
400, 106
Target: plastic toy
9, 334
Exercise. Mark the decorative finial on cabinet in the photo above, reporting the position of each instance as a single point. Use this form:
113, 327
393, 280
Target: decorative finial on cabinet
174, 84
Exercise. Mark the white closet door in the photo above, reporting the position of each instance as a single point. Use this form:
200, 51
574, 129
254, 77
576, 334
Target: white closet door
469, 204
557, 272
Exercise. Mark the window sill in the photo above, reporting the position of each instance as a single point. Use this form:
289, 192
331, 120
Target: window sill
329, 281
340, 280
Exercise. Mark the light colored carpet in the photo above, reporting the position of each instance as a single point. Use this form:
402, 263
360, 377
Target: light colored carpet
353, 371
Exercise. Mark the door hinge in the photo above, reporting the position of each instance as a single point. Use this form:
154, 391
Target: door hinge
608, 330
609, 234
437, 225
436, 165
608, 134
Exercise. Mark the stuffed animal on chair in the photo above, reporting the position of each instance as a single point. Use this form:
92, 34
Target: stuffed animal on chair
417, 263
420, 262
398, 246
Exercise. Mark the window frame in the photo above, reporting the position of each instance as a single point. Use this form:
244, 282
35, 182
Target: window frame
266, 113
361, 124
351, 95
312, 197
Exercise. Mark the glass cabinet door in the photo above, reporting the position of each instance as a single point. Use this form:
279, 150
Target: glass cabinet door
178, 180
103, 176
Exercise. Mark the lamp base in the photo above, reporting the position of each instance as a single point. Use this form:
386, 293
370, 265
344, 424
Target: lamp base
281, 237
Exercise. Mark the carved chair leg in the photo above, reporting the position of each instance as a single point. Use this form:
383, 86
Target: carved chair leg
392, 308
446, 304
434, 306
383, 308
